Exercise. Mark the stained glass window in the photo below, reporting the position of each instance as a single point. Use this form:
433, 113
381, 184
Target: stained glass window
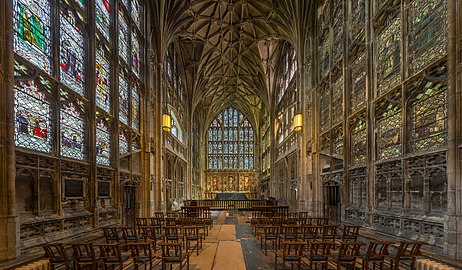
325, 108
136, 12
389, 128
81, 3
124, 98
337, 101
358, 141
103, 98
428, 40
32, 34
72, 54
123, 142
136, 55
358, 87
102, 13
103, 143
358, 19
428, 110
135, 109
337, 50
33, 117
124, 35
389, 54
72, 131
324, 53
225, 153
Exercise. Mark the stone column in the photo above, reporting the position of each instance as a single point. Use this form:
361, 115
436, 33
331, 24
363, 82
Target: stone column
9, 221
454, 230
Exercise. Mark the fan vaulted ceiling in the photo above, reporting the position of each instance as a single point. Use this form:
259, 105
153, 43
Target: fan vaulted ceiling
228, 47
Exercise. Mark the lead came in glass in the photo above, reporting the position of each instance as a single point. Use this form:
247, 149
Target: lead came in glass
32, 34
33, 118
72, 132
72, 54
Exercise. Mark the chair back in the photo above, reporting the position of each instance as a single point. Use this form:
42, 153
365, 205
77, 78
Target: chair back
377, 250
111, 234
321, 248
329, 232
141, 251
84, 254
409, 249
159, 214
271, 231
292, 251
191, 231
291, 232
320, 221
350, 233
141, 221
348, 253
171, 251
171, 233
56, 254
311, 232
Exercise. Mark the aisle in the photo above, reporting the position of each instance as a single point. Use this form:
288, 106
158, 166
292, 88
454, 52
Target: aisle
231, 245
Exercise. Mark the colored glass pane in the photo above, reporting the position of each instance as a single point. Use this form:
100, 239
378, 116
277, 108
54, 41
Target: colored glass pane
81, 3
136, 12
358, 87
33, 118
103, 144
123, 143
126, 3
358, 19
389, 131
32, 33
428, 38
428, 121
124, 35
103, 98
358, 141
124, 99
72, 54
135, 109
389, 54
72, 132
229, 150
337, 101
136, 68
102, 13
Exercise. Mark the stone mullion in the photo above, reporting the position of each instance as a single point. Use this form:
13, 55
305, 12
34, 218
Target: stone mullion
370, 115
454, 230
91, 113
346, 108
115, 69
405, 193
9, 240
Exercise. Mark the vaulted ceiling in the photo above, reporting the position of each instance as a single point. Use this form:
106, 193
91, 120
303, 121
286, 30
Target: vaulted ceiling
230, 47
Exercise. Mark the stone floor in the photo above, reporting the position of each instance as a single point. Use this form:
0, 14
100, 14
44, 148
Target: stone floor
231, 245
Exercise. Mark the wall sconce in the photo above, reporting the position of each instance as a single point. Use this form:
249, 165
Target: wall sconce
298, 121
166, 122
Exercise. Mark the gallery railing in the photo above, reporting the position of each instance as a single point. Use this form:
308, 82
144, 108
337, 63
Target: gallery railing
231, 204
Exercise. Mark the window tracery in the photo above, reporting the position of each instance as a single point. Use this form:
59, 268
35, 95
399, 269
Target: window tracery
236, 149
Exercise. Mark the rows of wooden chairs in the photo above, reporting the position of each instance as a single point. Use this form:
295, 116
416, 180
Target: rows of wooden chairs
166, 238
348, 255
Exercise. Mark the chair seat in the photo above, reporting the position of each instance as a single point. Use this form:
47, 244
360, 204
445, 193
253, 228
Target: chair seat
318, 258
57, 260
291, 258
88, 259
172, 259
193, 237
124, 257
271, 237
143, 260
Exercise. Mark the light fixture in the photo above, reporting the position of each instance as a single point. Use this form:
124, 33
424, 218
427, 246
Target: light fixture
166, 122
298, 121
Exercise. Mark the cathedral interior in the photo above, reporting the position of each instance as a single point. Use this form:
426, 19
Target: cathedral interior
113, 110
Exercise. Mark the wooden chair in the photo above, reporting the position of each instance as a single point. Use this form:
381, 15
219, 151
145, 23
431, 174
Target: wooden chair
141, 222
84, 256
57, 255
130, 235
171, 234
172, 254
348, 254
376, 254
407, 252
191, 235
318, 255
153, 234
329, 233
112, 235
111, 255
310, 233
291, 252
350, 233
142, 254
271, 233
290, 233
